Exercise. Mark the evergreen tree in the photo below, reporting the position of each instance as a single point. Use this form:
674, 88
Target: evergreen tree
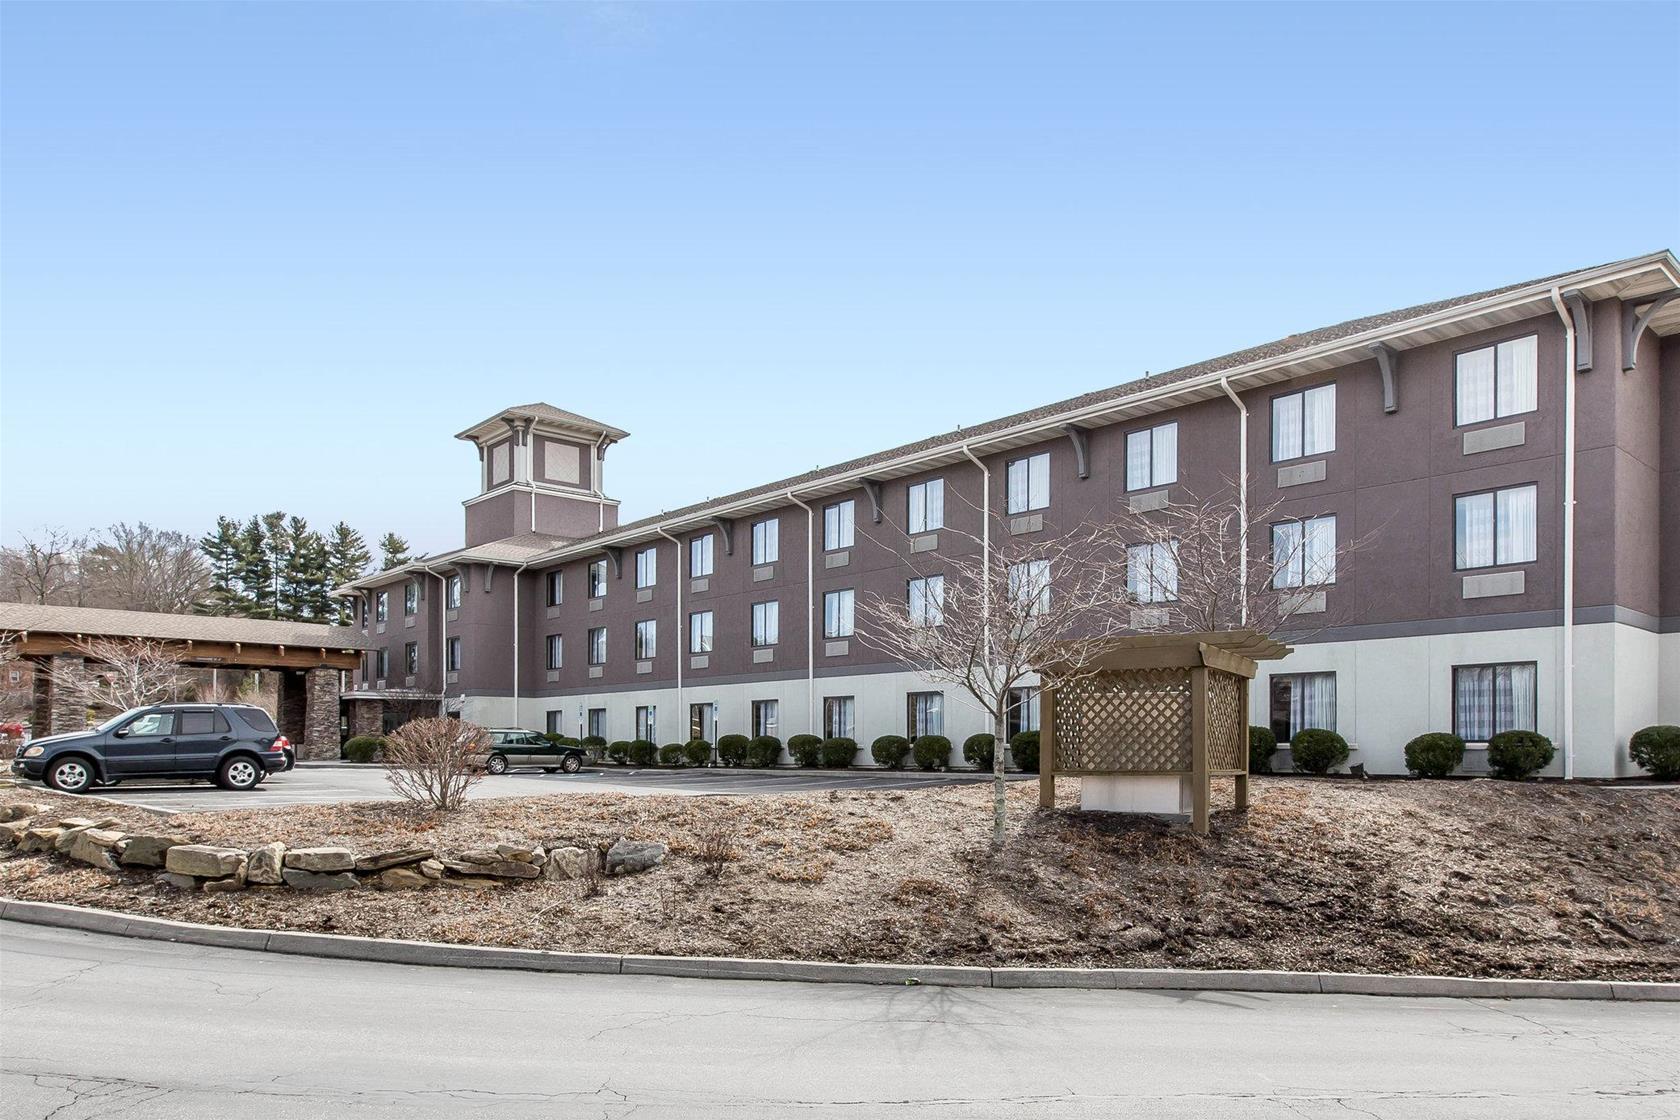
395, 550
255, 571
303, 581
347, 560
222, 550
278, 544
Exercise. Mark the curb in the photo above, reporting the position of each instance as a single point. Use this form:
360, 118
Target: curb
390, 951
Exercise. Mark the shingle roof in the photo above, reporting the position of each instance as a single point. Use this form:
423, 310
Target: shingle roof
541, 411
97, 622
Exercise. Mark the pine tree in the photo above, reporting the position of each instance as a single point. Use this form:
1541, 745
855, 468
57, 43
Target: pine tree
278, 544
347, 560
395, 550
222, 550
303, 581
255, 571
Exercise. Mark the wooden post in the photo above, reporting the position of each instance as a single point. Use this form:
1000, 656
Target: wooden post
1046, 745
1199, 781
1242, 779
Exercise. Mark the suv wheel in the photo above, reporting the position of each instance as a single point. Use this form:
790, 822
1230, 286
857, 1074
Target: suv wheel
70, 775
571, 764
496, 765
238, 772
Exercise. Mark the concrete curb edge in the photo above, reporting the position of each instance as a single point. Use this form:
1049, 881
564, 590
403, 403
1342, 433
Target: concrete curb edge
390, 951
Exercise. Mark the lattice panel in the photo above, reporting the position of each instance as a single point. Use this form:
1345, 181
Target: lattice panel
1227, 737
1135, 720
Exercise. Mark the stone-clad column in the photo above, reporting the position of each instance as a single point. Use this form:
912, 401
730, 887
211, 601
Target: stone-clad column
65, 711
320, 719
367, 717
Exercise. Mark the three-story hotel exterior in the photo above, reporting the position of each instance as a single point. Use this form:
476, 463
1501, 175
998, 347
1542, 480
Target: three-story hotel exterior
1509, 459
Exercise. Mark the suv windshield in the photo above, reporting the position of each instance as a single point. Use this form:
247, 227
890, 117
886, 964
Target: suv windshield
116, 719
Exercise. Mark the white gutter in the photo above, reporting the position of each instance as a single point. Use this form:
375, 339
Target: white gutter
985, 547
681, 647
1242, 493
1567, 661
810, 615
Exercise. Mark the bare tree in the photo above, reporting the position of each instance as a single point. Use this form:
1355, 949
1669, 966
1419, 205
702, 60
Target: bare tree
431, 763
45, 569
121, 673
17, 695
139, 568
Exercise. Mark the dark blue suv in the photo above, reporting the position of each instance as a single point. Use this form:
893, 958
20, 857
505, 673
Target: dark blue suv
235, 745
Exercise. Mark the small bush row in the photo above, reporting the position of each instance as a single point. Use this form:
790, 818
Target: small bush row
930, 752
1511, 755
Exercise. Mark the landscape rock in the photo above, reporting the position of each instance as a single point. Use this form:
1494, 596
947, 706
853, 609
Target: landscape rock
474, 883
67, 837
627, 857
400, 879
148, 850
398, 857
95, 846
501, 868
317, 881
218, 886
76, 822
182, 882
39, 839
566, 863
321, 859
21, 811
266, 864
431, 868
1142, 937
523, 853
203, 860
11, 832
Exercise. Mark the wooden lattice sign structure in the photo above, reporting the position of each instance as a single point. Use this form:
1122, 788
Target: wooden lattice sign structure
1157, 705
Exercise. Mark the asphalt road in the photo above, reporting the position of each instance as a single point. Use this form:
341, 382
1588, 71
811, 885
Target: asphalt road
325, 785
99, 1026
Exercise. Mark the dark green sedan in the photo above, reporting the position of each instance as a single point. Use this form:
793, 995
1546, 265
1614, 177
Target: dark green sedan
513, 746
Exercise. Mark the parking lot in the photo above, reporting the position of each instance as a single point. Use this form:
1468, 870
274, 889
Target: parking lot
327, 784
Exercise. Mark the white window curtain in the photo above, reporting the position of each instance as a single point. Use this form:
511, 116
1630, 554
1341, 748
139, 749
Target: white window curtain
1312, 701
927, 506
1286, 554
1474, 530
1029, 585
647, 638
1164, 465
647, 724
838, 525
1516, 537
1318, 551
700, 556
837, 614
1152, 572
647, 567
1038, 482
838, 718
1493, 698
1518, 374
927, 713
767, 548
700, 632
927, 601
766, 623
1286, 427
1474, 379
1318, 433
1138, 457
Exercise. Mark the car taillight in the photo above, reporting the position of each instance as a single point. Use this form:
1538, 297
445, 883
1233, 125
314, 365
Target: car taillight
280, 743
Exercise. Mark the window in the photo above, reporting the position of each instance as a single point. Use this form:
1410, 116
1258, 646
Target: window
924, 714
553, 720
556, 589
647, 639
1495, 527
555, 654
452, 655
837, 614
411, 658
1152, 457
764, 717
647, 567
1029, 586
927, 506
598, 646
1488, 699
382, 664
839, 717
700, 556
201, 723
382, 606
1495, 381
1304, 423
1022, 713
700, 632
411, 598
1304, 552
152, 723
1152, 572
927, 601
597, 578
1302, 700
452, 592
766, 624
1028, 483
767, 545
702, 721
595, 723
647, 723
839, 524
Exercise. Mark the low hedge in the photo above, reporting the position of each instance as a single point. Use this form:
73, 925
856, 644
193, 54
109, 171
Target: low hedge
595, 741
1657, 749
364, 748
697, 752
619, 751
1262, 745
931, 751
1317, 750
559, 740
642, 752
890, 751
671, 754
805, 749
838, 752
1023, 748
764, 752
978, 750
732, 749
1435, 754
1516, 755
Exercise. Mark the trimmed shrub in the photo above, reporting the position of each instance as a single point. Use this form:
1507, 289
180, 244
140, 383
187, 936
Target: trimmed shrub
1657, 749
932, 751
1262, 745
764, 752
642, 752
671, 754
890, 751
1317, 751
838, 753
559, 740
619, 751
805, 749
364, 748
594, 746
1435, 754
1023, 748
1515, 755
594, 741
979, 749
732, 749
697, 752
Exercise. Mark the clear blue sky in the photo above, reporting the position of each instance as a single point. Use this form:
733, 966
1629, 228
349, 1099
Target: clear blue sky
264, 256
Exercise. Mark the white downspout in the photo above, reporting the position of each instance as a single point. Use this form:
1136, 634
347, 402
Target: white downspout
1567, 666
443, 637
985, 549
681, 646
517, 572
596, 470
810, 615
1242, 493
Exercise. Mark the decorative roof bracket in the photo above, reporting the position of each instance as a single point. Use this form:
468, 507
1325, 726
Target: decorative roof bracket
872, 487
1582, 314
1081, 448
726, 529
1388, 363
1634, 324
616, 555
